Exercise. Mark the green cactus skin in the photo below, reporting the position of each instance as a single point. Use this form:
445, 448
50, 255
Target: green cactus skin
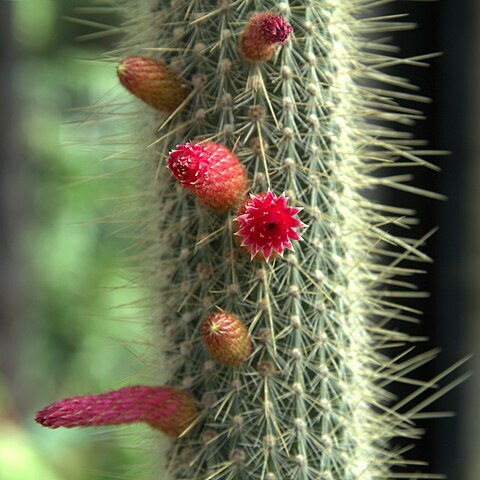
312, 400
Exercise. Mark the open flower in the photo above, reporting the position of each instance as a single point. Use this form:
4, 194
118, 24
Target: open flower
266, 225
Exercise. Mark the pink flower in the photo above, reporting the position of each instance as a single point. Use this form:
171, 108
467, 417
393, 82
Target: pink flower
152, 82
168, 409
261, 36
211, 172
266, 225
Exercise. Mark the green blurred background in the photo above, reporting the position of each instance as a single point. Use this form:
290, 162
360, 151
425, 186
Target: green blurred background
61, 331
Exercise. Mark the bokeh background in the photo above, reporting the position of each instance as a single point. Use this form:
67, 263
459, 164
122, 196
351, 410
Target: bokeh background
61, 256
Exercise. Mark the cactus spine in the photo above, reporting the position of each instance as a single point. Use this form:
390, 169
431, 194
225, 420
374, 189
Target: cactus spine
309, 401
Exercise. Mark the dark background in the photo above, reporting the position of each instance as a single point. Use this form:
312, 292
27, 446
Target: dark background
451, 317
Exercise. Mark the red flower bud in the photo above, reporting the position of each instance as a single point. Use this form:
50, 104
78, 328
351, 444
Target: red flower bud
226, 338
211, 172
152, 81
261, 36
168, 409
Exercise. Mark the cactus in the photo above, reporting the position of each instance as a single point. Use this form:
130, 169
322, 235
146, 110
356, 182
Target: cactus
275, 311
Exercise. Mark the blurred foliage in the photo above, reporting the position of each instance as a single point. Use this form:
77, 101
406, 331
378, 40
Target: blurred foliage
73, 341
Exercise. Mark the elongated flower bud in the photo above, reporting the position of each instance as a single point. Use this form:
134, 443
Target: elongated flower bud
266, 225
261, 36
226, 338
152, 82
168, 409
211, 172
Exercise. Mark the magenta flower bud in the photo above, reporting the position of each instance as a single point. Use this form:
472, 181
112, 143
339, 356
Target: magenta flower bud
168, 409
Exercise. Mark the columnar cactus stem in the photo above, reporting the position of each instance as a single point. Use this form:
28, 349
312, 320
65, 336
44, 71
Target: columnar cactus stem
292, 379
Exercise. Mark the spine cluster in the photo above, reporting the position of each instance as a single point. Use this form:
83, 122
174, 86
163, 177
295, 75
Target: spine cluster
273, 278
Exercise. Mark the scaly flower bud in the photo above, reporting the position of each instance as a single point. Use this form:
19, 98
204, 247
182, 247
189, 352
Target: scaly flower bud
266, 225
152, 81
211, 172
226, 338
168, 409
263, 32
